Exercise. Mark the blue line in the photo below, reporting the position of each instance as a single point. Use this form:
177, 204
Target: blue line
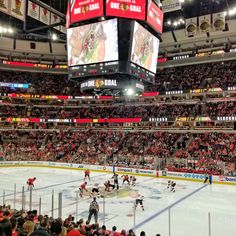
168, 207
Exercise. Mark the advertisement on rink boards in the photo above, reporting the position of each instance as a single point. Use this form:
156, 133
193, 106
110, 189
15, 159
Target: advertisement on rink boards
182, 175
85, 9
121, 170
133, 9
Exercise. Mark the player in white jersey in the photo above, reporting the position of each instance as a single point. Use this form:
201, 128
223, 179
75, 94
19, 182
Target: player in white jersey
172, 188
133, 180
139, 201
168, 184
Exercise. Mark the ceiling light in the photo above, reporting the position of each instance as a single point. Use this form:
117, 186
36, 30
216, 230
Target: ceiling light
4, 30
232, 12
175, 23
169, 22
54, 37
130, 92
10, 30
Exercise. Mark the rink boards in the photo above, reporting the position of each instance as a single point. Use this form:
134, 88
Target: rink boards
121, 170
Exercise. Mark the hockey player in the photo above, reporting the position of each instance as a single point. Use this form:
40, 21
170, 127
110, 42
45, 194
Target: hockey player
132, 179
82, 188
30, 183
125, 179
173, 184
95, 190
87, 174
116, 183
168, 184
139, 200
108, 185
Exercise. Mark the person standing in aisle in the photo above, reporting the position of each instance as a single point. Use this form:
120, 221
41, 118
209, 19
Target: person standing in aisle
93, 210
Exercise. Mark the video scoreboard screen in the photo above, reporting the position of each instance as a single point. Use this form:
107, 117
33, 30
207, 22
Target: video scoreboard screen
92, 43
144, 48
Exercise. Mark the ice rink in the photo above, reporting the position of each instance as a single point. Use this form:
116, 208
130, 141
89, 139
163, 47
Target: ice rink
194, 209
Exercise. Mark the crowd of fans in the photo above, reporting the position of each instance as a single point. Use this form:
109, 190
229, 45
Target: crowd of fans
152, 110
198, 153
200, 76
23, 223
222, 108
91, 147
40, 83
214, 75
122, 111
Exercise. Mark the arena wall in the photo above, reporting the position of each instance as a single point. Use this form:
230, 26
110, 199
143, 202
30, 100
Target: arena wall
121, 170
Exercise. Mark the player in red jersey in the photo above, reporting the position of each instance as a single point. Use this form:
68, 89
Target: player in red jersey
125, 179
108, 185
87, 174
82, 188
30, 182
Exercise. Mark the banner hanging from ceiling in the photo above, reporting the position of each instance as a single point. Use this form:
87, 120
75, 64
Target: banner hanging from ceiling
218, 21
44, 15
205, 24
14, 8
33, 10
191, 26
171, 5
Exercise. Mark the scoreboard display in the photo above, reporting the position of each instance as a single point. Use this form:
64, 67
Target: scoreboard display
155, 17
92, 70
133, 9
113, 37
85, 10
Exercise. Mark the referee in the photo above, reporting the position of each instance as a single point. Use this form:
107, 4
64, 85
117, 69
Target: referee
93, 210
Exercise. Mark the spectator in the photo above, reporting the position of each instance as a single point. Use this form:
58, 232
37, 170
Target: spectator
42, 229
56, 228
14, 226
5, 224
28, 226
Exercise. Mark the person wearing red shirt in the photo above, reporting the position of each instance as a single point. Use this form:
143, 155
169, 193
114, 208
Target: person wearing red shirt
125, 179
82, 188
30, 182
87, 174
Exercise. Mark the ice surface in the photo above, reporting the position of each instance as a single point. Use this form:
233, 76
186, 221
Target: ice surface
191, 204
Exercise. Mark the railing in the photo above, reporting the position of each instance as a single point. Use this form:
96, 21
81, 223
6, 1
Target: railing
173, 220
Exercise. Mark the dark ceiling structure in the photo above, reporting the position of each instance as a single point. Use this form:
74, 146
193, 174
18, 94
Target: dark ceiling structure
34, 29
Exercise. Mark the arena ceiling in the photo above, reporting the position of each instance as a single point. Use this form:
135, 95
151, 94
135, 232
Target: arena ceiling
190, 8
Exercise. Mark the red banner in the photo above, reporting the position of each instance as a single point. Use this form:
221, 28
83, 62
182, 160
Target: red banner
155, 17
118, 120
134, 9
150, 94
85, 9
68, 15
